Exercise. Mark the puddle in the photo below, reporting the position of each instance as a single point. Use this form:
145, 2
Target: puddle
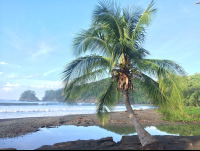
50, 136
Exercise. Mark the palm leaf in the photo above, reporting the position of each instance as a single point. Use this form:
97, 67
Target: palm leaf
107, 101
144, 19
77, 86
109, 13
80, 66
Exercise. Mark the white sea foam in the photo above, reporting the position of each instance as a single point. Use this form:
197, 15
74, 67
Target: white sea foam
31, 110
19, 109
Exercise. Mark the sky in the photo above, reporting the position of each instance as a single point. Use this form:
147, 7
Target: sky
36, 38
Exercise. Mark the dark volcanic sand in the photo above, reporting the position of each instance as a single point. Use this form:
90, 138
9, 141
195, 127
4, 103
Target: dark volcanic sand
15, 127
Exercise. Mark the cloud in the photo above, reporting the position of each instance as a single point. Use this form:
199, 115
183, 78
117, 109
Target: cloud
43, 48
8, 86
1, 73
6, 89
12, 75
39, 86
29, 76
42, 86
11, 85
9, 64
34, 76
3, 63
51, 71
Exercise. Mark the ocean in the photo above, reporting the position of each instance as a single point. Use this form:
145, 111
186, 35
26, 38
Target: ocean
22, 109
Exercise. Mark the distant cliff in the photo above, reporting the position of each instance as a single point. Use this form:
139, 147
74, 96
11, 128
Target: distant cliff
28, 95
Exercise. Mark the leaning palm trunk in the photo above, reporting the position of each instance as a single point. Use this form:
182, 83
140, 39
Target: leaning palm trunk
118, 34
144, 137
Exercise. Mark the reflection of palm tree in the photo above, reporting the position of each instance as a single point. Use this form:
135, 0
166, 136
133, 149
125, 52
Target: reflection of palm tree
118, 34
120, 130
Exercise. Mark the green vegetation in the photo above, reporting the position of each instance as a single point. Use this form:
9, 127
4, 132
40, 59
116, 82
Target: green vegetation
53, 95
191, 92
96, 89
182, 130
192, 112
115, 39
191, 98
28, 95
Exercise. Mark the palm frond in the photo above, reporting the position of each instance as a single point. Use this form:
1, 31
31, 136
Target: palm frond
79, 67
91, 39
166, 93
169, 65
158, 68
107, 101
144, 19
77, 86
109, 13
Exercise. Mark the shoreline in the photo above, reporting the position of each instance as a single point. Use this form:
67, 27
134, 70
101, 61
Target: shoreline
14, 127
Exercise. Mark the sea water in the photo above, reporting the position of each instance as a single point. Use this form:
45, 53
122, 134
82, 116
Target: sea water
22, 109
19, 109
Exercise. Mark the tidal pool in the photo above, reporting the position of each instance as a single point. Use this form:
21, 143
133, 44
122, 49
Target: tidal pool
50, 136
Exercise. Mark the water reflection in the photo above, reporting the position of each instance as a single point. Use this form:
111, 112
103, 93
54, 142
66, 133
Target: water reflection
120, 130
182, 130
131, 130
71, 133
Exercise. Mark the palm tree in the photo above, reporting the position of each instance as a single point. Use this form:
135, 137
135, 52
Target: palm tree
117, 35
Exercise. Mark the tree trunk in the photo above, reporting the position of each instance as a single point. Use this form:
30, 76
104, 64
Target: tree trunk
147, 141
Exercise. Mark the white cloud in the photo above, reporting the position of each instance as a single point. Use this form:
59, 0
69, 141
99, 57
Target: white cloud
33, 76
40, 83
11, 85
3, 63
6, 89
1, 73
18, 66
51, 71
43, 48
12, 76
29, 76
33, 86
39, 86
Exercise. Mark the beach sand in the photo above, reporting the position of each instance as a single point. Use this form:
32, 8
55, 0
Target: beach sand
10, 128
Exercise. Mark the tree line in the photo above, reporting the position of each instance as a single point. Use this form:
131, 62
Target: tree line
191, 92
96, 89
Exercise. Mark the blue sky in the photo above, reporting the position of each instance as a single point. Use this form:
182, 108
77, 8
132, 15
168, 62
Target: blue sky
36, 38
